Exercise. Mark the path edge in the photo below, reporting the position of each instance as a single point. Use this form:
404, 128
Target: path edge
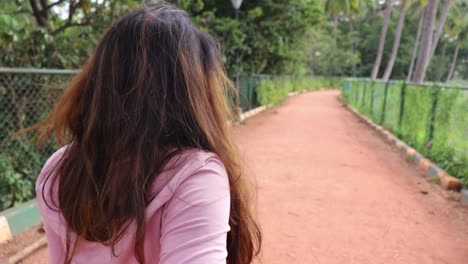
252, 112
15, 220
446, 180
255, 111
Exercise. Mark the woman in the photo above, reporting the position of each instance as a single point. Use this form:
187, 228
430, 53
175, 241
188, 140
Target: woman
149, 173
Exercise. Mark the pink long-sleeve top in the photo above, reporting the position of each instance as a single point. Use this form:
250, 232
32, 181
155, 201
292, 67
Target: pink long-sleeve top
186, 222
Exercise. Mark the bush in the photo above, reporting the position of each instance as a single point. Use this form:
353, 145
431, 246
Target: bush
275, 90
272, 92
14, 187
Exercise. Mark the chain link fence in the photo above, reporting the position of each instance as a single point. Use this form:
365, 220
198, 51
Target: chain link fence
259, 90
28, 95
432, 118
248, 97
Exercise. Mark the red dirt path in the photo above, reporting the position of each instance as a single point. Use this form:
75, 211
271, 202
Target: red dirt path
332, 191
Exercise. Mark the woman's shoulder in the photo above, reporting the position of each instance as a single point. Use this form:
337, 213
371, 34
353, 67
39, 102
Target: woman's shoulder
197, 159
191, 162
50, 165
197, 173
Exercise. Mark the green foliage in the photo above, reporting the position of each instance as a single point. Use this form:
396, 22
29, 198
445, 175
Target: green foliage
434, 118
276, 90
14, 188
327, 57
272, 92
25, 99
269, 36
57, 41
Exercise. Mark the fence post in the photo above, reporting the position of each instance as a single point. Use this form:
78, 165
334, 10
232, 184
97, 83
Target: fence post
402, 106
250, 85
435, 99
384, 105
363, 100
372, 96
250, 94
356, 93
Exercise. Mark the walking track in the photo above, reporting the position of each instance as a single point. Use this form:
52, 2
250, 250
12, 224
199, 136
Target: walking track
330, 190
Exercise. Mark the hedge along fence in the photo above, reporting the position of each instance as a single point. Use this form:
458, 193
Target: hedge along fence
275, 89
28, 95
432, 118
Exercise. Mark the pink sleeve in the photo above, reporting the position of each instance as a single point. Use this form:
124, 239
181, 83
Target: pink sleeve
54, 245
50, 218
195, 222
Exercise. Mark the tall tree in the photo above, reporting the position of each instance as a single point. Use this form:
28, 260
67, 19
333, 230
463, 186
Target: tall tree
415, 46
458, 26
440, 25
426, 41
383, 35
454, 62
396, 41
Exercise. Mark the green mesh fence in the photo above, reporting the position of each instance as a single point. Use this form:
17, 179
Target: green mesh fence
248, 97
392, 107
416, 117
26, 97
256, 90
432, 118
378, 101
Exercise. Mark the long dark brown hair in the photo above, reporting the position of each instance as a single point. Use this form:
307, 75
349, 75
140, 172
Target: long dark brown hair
154, 86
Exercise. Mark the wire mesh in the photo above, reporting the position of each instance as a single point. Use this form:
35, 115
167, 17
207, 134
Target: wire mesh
378, 100
248, 90
26, 97
432, 118
392, 107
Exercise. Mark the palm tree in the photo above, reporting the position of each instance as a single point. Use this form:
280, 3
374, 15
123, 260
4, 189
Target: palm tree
440, 26
433, 39
416, 45
426, 41
383, 35
396, 41
454, 61
458, 26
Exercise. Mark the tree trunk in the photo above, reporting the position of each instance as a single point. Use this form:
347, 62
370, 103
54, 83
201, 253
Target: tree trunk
353, 46
426, 41
442, 70
415, 48
383, 35
454, 62
396, 42
440, 26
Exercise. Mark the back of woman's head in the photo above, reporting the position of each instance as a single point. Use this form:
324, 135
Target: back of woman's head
154, 86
